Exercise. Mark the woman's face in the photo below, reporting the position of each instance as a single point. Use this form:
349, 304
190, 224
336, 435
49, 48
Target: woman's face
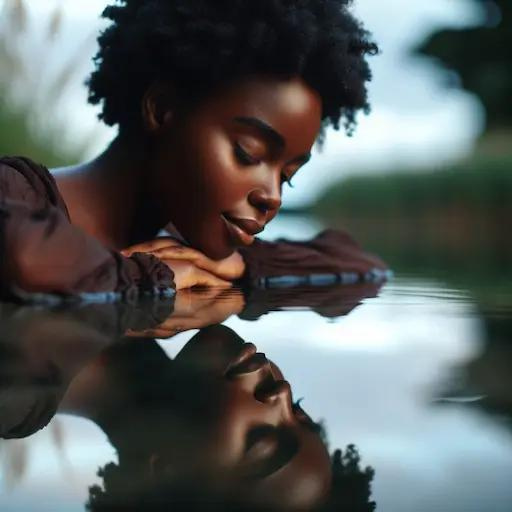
220, 168
241, 434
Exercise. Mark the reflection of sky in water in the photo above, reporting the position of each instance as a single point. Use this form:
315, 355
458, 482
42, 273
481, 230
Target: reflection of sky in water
372, 376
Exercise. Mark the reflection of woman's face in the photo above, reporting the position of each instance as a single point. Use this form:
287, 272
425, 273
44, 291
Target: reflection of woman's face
231, 156
242, 429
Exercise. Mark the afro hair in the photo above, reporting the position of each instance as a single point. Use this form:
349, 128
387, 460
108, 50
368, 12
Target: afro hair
199, 45
121, 490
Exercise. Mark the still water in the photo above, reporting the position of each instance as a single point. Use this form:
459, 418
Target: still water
415, 374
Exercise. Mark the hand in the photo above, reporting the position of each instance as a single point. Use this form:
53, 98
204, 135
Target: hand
167, 249
195, 309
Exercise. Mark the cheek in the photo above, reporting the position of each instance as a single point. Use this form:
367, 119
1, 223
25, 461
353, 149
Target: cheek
218, 177
225, 422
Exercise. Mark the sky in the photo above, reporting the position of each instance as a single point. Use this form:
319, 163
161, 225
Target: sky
415, 122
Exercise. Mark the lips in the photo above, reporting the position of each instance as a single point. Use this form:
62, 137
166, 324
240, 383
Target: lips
250, 226
242, 230
247, 361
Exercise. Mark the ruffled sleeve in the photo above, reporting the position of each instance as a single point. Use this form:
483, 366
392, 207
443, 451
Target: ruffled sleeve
41, 252
331, 257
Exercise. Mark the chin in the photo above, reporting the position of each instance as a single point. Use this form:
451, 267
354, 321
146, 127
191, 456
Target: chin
212, 241
217, 252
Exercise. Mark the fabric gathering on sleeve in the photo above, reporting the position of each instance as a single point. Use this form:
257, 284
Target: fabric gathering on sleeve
43, 255
332, 257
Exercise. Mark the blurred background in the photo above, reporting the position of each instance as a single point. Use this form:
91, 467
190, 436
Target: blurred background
425, 180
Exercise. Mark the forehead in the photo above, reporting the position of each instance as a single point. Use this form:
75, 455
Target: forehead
289, 106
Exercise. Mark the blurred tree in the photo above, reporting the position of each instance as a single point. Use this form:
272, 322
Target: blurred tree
481, 56
488, 375
29, 97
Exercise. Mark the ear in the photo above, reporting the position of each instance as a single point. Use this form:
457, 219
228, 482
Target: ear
157, 107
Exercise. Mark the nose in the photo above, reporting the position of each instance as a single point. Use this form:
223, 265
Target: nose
267, 199
276, 392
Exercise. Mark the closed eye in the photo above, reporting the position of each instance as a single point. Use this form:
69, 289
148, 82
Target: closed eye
269, 449
244, 157
293, 167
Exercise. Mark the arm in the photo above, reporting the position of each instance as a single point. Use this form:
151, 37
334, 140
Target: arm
42, 252
329, 258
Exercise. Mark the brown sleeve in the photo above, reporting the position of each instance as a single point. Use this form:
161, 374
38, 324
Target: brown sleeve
42, 252
329, 258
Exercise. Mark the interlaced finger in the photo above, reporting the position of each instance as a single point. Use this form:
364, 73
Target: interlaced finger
151, 246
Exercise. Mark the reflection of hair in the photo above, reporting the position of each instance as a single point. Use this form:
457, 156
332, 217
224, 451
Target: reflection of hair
124, 490
351, 486
198, 45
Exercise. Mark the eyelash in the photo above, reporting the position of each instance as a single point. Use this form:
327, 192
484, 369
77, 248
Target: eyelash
304, 418
246, 159
285, 179
296, 405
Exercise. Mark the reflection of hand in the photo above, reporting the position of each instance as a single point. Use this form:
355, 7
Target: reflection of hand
190, 266
195, 309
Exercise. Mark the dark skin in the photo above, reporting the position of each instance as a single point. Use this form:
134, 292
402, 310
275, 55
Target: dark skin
251, 435
237, 436
48, 348
215, 170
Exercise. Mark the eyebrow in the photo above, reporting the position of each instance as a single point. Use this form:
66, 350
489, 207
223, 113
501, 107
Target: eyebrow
265, 129
271, 134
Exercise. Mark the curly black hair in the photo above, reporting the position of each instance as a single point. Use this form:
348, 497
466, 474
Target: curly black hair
199, 45
121, 490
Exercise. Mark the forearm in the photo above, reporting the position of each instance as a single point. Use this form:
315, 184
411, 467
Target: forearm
42, 252
329, 258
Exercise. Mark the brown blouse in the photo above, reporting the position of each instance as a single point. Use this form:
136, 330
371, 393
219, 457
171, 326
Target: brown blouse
41, 251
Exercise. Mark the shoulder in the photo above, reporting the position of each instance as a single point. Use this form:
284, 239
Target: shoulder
23, 179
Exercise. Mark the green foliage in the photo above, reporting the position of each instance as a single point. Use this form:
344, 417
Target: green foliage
18, 138
29, 106
451, 224
482, 184
481, 57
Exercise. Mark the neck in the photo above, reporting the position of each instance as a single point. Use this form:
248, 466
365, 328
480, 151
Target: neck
90, 393
108, 196
108, 390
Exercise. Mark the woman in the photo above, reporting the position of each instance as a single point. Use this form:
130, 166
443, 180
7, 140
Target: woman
42, 349
211, 427
218, 104
209, 430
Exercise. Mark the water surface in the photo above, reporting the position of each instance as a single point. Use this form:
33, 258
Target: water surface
416, 374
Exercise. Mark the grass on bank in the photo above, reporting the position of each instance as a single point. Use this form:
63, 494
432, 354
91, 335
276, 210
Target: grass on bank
452, 224
482, 184
30, 97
